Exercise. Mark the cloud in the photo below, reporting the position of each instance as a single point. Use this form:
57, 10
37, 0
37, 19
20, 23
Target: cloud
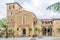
3, 7
39, 8
36, 6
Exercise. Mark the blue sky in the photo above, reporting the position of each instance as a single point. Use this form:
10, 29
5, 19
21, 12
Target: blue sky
36, 6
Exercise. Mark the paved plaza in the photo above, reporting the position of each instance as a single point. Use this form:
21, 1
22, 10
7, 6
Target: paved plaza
31, 38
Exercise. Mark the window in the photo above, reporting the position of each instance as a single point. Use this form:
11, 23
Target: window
51, 22
24, 20
13, 6
11, 13
11, 19
9, 7
43, 22
17, 29
36, 29
34, 23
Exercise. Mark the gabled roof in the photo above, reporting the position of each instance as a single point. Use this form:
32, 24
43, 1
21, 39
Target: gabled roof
29, 12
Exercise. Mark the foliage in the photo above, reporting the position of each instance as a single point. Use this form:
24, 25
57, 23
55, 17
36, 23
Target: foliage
3, 22
58, 29
30, 29
4, 26
10, 31
55, 7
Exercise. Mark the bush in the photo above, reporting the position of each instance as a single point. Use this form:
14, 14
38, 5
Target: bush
30, 29
58, 29
33, 36
29, 35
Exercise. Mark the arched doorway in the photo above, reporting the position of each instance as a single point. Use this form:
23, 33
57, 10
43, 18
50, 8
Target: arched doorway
44, 31
24, 31
49, 30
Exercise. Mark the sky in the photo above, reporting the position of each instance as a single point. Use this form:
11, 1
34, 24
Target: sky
38, 7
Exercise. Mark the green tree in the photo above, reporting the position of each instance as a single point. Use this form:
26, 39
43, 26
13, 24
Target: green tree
5, 26
55, 7
11, 32
1, 23
3, 20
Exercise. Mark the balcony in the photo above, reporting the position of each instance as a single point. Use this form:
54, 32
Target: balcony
47, 25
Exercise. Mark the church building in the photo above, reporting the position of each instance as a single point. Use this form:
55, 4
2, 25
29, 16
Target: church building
25, 23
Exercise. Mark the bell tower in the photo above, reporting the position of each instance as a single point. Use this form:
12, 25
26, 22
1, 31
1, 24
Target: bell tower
12, 10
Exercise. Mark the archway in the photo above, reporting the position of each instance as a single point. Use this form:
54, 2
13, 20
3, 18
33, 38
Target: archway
24, 31
49, 31
44, 31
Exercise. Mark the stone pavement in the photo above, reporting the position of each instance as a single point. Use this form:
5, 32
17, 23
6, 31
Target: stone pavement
31, 38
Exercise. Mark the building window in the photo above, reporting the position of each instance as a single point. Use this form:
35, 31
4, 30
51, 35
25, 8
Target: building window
24, 20
51, 22
34, 22
13, 6
11, 19
11, 13
36, 29
17, 29
9, 7
43, 22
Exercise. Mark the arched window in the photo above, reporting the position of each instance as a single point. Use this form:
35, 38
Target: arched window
11, 19
24, 20
13, 6
11, 13
17, 29
9, 7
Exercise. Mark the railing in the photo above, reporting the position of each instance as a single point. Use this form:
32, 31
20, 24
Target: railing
47, 25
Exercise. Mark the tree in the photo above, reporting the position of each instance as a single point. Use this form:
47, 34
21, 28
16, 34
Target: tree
3, 21
55, 7
5, 26
11, 32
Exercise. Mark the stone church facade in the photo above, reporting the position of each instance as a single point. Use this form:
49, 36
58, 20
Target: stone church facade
25, 23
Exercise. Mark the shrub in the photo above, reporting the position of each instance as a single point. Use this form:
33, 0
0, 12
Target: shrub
58, 29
